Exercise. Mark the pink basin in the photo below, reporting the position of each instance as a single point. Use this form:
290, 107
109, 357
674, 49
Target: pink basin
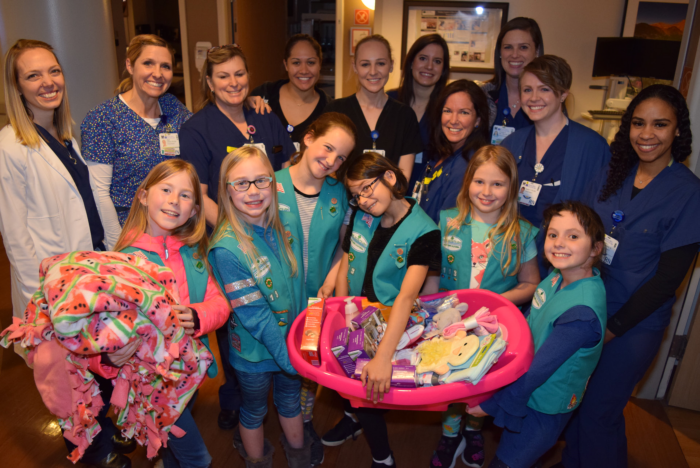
514, 362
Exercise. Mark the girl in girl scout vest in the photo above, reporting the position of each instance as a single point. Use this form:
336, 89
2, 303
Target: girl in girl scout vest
487, 245
256, 258
390, 246
318, 202
567, 319
166, 225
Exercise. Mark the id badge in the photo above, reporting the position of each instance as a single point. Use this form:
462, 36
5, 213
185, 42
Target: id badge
297, 146
610, 249
169, 144
500, 133
419, 158
260, 146
380, 152
418, 191
529, 191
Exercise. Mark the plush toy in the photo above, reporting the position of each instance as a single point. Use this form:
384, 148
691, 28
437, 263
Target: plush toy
438, 354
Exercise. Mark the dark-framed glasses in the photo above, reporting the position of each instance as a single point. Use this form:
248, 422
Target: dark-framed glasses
244, 185
365, 191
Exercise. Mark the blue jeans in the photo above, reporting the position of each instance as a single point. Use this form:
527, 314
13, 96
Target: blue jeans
189, 451
229, 392
254, 389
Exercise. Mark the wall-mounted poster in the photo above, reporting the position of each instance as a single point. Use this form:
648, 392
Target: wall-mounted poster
469, 28
658, 19
356, 35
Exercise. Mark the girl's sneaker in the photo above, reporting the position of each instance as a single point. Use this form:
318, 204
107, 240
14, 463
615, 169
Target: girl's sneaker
376, 464
473, 454
449, 449
347, 428
317, 455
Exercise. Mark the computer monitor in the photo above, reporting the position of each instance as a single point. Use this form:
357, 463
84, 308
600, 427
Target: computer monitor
632, 56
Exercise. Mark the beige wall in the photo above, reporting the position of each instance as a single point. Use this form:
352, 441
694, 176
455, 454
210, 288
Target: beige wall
201, 27
569, 27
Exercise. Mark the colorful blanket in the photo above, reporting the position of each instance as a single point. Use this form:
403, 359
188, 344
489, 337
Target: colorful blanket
94, 302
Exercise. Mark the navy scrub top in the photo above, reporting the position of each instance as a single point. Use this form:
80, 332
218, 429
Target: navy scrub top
421, 160
444, 184
503, 113
207, 137
550, 177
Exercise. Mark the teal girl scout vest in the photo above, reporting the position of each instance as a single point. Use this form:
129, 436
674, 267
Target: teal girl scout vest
325, 227
457, 257
391, 266
562, 392
197, 276
283, 292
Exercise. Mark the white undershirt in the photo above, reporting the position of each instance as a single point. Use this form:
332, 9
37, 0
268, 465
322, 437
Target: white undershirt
152, 122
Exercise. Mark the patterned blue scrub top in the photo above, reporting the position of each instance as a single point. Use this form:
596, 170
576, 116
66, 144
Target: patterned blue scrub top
114, 134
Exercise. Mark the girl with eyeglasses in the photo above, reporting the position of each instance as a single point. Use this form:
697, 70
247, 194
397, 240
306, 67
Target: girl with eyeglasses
128, 135
389, 247
258, 262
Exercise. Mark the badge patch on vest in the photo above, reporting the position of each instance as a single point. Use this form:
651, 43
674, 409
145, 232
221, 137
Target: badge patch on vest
452, 243
236, 342
358, 242
283, 207
351, 257
539, 298
368, 219
261, 267
139, 254
280, 187
572, 403
555, 279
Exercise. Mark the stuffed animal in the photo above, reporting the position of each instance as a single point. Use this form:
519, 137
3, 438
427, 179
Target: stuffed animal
438, 354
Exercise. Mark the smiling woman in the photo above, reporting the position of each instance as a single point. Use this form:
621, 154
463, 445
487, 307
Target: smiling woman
126, 136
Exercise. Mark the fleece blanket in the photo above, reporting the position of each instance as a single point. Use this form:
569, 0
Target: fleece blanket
93, 302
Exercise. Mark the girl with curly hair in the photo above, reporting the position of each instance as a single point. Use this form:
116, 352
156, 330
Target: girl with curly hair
648, 201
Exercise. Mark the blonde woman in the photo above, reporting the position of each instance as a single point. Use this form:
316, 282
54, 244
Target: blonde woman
258, 262
126, 136
47, 203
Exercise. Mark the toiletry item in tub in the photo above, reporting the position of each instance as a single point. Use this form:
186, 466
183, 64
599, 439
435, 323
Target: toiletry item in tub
401, 376
312, 330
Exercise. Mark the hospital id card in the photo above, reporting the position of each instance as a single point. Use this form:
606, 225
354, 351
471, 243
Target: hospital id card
169, 144
260, 146
297, 146
610, 249
500, 133
378, 151
529, 191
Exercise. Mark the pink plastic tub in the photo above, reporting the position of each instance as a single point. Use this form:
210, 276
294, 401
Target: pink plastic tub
512, 364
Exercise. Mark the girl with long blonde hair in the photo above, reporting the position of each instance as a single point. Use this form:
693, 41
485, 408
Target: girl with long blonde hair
256, 257
500, 256
166, 225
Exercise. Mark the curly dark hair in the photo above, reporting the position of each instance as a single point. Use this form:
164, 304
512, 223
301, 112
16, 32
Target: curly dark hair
624, 157
439, 145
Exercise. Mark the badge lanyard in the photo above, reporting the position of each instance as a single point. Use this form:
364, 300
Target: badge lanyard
506, 113
375, 136
290, 129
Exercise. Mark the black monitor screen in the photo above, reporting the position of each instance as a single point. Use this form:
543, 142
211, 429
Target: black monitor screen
631, 56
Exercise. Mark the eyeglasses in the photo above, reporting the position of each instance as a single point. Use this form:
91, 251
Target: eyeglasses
227, 46
244, 185
365, 191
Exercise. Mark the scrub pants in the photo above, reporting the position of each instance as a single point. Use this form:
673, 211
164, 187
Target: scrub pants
596, 435
102, 445
230, 391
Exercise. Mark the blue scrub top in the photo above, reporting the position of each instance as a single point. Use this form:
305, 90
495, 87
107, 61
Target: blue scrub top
442, 191
207, 137
418, 167
503, 113
550, 177
663, 216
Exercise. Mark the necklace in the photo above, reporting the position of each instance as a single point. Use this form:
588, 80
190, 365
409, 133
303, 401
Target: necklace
516, 104
641, 181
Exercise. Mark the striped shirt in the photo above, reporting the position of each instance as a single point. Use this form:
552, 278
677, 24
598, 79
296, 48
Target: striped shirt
307, 205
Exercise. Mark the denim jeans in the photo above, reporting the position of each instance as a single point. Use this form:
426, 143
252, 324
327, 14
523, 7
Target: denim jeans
254, 389
189, 451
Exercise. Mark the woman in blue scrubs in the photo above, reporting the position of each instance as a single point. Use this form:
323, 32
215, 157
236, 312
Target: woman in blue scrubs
425, 74
224, 123
518, 43
557, 158
649, 202
459, 117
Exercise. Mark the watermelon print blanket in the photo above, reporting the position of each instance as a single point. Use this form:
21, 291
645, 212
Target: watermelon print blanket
94, 302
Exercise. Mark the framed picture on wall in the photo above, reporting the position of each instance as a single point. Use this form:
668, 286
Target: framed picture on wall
469, 28
356, 35
657, 19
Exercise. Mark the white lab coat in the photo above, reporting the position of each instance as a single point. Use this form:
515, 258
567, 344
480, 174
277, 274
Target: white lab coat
41, 212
